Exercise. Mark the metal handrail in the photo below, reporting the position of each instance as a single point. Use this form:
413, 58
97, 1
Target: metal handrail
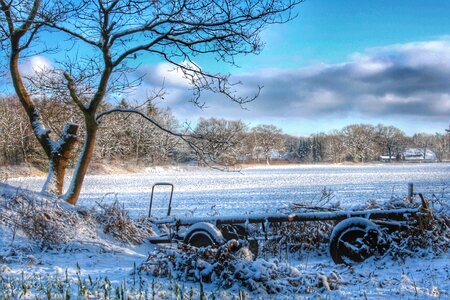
151, 197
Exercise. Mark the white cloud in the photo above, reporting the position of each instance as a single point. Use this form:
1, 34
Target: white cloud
399, 82
367, 66
170, 75
416, 54
35, 64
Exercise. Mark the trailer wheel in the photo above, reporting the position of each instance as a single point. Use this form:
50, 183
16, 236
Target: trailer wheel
354, 240
203, 234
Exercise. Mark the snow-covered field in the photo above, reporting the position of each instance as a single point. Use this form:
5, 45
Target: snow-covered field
256, 189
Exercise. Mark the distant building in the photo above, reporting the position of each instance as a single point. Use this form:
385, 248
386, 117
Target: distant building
415, 154
411, 154
386, 157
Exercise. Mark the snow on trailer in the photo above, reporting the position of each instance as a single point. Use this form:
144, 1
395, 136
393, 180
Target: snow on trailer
357, 236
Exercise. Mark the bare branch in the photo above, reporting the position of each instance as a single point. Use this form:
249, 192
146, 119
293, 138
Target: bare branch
74, 34
134, 111
207, 145
73, 92
31, 18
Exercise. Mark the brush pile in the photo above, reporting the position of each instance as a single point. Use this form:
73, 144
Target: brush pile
232, 265
117, 222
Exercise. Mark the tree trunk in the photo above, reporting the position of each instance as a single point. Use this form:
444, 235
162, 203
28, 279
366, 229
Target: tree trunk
390, 153
58, 152
59, 159
74, 190
55, 177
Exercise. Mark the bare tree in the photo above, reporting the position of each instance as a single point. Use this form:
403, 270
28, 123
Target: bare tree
18, 144
423, 141
158, 147
390, 139
334, 146
267, 139
15, 132
359, 141
440, 146
223, 141
113, 33
447, 138
20, 22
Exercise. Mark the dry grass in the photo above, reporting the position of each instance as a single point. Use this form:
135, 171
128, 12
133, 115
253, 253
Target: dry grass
116, 221
421, 242
42, 219
416, 240
52, 222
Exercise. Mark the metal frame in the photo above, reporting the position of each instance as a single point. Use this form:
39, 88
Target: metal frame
395, 218
170, 200
392, 214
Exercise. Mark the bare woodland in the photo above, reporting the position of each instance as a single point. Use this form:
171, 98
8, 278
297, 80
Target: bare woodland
127, 138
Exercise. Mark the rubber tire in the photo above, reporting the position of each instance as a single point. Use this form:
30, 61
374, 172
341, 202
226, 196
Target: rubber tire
203, 235
358, 233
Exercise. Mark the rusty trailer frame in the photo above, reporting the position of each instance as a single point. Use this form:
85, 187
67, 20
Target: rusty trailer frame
356, 237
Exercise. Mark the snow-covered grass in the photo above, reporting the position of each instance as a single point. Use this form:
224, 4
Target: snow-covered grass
90, 259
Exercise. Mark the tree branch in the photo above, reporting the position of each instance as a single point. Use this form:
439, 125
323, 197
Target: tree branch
30, 20
134, 111
73, 92
73, 33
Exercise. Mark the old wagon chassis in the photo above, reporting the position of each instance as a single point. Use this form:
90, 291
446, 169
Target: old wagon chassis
356, 237
392, 214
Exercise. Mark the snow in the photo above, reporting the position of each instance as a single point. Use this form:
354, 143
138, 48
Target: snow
256, 189
204, 192
207, 227
39, 127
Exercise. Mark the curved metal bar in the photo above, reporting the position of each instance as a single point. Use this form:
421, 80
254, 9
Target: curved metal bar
153, 191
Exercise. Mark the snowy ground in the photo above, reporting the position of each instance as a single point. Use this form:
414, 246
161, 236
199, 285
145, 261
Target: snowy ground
256, 189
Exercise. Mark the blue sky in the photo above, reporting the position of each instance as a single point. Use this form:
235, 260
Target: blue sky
309, 69
338, 63
329, 31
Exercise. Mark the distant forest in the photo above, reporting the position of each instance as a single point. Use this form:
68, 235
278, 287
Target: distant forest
131, 139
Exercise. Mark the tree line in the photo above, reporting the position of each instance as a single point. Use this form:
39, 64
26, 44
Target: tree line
126, 137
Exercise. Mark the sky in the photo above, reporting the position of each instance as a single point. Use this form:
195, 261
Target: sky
338, 63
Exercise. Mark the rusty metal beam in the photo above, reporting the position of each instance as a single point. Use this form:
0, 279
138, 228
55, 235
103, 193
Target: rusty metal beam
393, 214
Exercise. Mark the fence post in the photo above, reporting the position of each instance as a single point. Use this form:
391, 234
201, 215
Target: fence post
410, 192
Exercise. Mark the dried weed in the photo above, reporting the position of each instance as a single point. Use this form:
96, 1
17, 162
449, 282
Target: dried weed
117, 222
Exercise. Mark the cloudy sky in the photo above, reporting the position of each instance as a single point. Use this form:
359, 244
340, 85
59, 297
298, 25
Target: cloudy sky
338, 63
